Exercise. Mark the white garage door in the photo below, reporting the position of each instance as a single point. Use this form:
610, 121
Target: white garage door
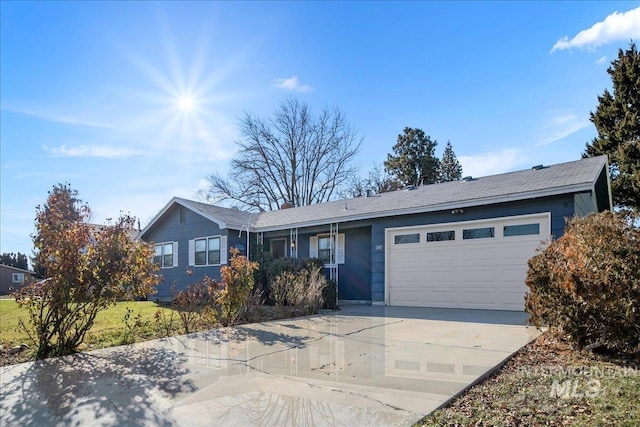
473, 264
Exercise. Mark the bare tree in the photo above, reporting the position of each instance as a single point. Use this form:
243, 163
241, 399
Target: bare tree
293, 157
376, 182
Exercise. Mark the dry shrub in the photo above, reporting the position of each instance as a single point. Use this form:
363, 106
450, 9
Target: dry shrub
587, 283
197, 304
237, 284
302, 290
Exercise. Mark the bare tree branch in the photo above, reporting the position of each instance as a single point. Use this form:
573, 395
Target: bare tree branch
293, 157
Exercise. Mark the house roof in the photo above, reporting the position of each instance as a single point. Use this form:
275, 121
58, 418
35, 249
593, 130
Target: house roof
232, 218
16, 269
571, 177
565, 178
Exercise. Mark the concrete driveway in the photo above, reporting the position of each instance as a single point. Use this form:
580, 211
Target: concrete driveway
363, 365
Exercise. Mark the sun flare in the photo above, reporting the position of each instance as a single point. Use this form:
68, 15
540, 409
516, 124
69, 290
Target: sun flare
185, 103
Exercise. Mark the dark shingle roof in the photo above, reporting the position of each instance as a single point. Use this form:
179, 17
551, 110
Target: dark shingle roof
564, 178
568, 177
231, 217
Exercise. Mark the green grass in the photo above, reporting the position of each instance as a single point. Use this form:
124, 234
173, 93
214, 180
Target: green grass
109, 328
9, 332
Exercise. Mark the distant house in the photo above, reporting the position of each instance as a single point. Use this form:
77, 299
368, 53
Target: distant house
461, 244
12, 278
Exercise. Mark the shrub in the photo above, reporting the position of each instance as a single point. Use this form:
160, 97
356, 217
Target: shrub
87, 271
197, 304
164, 322
302, 289
330, 295
237, 283
276, 293
587, 283
132, 324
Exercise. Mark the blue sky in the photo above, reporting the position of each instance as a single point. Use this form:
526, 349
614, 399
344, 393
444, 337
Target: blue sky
90, 91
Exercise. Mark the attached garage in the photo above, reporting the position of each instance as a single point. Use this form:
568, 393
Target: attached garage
470, 264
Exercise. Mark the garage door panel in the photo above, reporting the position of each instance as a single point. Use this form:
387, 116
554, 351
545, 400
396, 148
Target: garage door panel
443, 276
513, 275
443, 298
471, 274
485, 273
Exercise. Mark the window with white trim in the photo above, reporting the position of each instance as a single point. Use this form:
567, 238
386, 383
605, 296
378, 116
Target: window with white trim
166, 254
207, 251
18, 278
320, 247
324, 249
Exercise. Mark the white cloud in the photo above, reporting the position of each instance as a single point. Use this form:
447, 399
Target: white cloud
100, 151
58, 118
602, 60
291, 84
617, 26
491, 163
561, 125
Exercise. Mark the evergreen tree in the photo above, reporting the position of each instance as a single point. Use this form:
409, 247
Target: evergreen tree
18, 260
450, 169
413, 161
617, 120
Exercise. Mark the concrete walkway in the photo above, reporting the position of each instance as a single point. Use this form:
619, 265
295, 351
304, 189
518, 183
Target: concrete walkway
361, 366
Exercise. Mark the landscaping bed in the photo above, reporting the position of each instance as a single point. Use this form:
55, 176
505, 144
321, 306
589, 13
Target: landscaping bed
549, 383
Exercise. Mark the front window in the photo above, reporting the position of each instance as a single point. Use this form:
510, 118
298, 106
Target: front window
18, 277
201, 252
207, 251
213, 250
324, 249
163, 255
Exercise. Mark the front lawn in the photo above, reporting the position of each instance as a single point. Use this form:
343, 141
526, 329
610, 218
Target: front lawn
549, 383
108, 330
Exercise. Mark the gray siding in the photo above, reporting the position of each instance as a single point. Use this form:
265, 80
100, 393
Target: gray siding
170, 229
584, 204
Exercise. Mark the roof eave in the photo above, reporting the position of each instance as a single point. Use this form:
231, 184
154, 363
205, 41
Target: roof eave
576, 188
